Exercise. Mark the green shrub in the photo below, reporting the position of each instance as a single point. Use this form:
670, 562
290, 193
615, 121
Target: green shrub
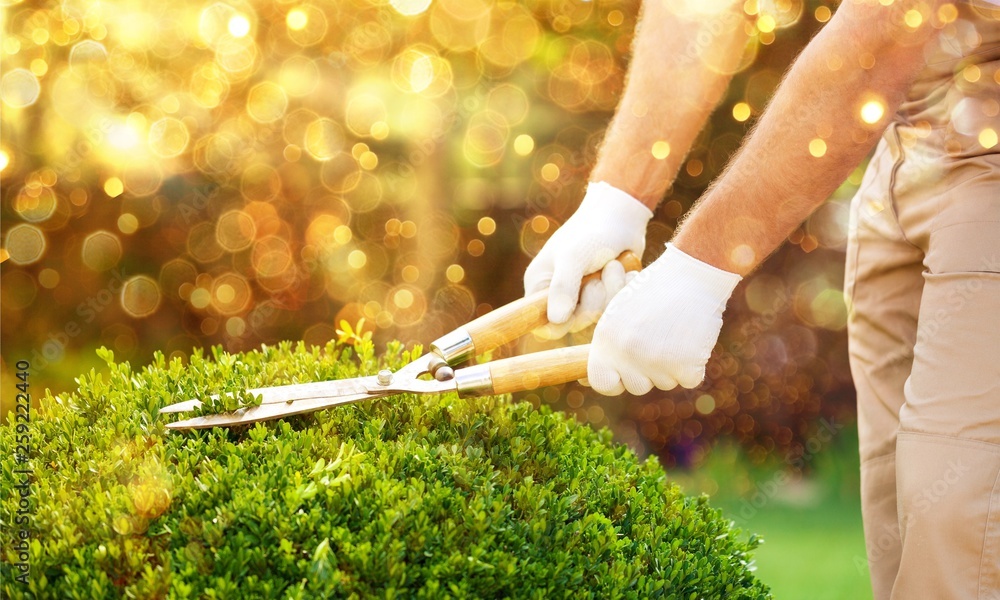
424, 497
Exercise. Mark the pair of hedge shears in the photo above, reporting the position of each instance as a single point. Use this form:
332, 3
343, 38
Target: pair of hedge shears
492, 330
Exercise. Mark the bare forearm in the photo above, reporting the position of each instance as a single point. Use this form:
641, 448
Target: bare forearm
820, 125
680, 68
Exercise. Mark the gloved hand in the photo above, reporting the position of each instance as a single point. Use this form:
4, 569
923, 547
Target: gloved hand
660, 330
608, 222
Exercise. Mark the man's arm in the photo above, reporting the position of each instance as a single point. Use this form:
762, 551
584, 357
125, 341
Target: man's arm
682, 60
660, 329
825, 117
683, 57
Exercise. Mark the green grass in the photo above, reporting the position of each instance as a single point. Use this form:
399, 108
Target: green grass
814, 544
809, 552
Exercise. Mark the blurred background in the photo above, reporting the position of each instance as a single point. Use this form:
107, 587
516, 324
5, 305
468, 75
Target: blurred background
187, 174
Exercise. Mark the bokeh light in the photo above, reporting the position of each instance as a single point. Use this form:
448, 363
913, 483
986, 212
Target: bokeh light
235, 231
741, 111
128, 224
988, 138
307, 25
35, 202
19, 88
168, 137
238, 26
87, 53
231, 294
524, 144
140, 296
817, 147
113, 187
25, 244
297, 19
267, 102
101, 250
660, 150
323, 139
872, 111
410, 7
238, 173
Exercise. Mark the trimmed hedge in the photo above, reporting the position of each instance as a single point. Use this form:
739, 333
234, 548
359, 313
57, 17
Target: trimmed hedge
424, 497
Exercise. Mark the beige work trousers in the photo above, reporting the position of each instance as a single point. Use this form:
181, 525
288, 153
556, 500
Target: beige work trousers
923, 292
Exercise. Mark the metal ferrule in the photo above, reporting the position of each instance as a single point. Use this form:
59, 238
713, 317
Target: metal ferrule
474, 381
455, 347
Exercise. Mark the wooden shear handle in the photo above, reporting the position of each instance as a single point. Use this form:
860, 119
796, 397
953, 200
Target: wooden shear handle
525, 372
509, 322
533, 371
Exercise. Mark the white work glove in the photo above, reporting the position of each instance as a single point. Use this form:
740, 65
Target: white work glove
608, 222
660, 330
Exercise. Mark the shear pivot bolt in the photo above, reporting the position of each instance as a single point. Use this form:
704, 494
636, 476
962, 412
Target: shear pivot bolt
384, 377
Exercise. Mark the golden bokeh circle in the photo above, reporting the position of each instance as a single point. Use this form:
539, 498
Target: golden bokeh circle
510, 101
238, 58
216, 153
420, 70
367, 45
174, 274
267, 102
101, 250
231, 294
236, 326
782, 13
128, 223
294, 125
168, 137
49, 278
35, 202
406, 303
235, 230
410, 8
460, 25
535, 232
322, 231
202, 244
513, 36
271, 256
208, 85
222, 23
260, 183
140, 296
324, 138
306, 25
19, 88
485, 138
86, 54
25, 244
